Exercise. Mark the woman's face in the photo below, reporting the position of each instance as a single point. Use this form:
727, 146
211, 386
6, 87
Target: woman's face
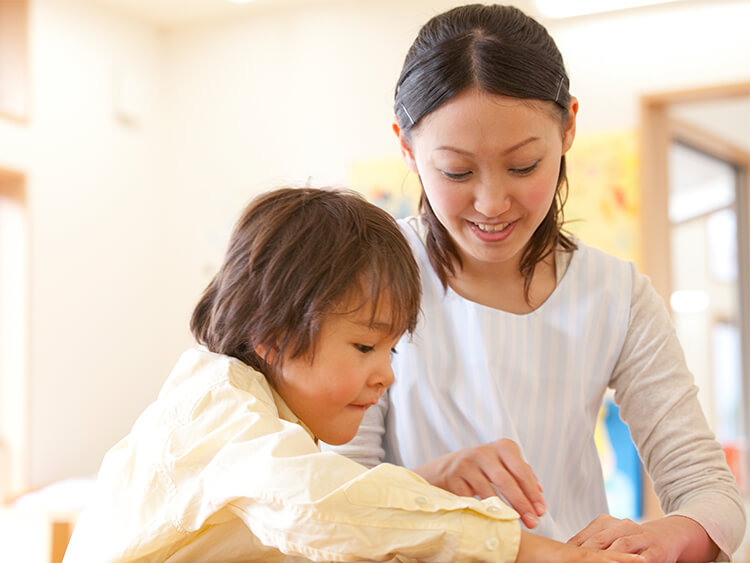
489, 166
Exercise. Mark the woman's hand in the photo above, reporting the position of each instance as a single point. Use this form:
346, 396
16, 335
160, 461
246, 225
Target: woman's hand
535, 548
666, 540
485, 471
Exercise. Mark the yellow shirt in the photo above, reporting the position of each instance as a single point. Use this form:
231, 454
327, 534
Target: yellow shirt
220, 469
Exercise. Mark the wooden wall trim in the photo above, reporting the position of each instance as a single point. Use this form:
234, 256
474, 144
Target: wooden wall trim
12, 185
733, 90
14, 59
655, 243
706, 141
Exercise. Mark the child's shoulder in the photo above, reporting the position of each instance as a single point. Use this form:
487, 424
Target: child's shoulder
200, 374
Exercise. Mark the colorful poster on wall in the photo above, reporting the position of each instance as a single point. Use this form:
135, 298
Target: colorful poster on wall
621, 465
603, 207
389, 184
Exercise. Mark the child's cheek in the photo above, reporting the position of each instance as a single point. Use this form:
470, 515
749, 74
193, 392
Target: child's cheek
347, 391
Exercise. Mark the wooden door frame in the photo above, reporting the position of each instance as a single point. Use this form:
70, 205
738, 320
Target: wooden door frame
13, 187
658, 130
15, 65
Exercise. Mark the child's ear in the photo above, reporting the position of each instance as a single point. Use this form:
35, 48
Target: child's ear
569, 131
406, 151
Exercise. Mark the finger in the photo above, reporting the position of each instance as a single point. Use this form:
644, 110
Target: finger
630, 544
512, 458
486, 475
598, 524
478, 481
606, 557
507, 486
626, 558
604, 538
458, 486
594, 556
625, 533
653, 554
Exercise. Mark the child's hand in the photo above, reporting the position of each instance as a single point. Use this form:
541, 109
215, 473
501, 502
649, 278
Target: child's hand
538, 549
665, 540
486, 470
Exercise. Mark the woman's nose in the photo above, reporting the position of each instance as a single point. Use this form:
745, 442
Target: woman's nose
491, 199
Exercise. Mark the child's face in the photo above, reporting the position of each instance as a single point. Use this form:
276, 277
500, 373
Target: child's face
349, 373
489, 166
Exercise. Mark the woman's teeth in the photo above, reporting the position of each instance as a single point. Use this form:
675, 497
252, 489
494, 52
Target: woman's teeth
487, 228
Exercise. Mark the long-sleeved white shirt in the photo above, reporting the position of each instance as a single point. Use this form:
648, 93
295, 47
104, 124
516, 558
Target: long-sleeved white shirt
472, 374
219, 469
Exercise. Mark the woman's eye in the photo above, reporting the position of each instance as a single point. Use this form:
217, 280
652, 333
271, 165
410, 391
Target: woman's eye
363, 348
524, 171
456, 175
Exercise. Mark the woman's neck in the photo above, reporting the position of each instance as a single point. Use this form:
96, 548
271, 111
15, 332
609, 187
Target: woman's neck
501, 286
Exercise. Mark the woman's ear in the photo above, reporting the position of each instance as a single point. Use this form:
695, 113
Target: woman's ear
569, 131
406, 151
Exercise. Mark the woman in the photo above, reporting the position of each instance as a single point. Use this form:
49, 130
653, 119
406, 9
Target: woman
524, 328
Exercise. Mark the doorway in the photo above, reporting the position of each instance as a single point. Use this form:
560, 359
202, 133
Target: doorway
696, 244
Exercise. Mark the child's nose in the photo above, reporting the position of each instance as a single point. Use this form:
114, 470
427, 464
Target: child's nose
383, 377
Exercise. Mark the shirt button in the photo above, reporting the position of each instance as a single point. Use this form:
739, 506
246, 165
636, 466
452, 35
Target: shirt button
493, 509
492, 544
421, 501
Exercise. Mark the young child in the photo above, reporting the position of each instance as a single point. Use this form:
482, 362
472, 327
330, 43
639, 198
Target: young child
297, 331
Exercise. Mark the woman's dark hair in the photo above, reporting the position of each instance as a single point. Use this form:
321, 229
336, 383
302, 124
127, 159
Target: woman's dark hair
295, 256
499, 50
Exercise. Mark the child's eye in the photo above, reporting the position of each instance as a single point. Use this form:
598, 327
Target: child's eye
363, 348
524, 171
394, 351
456, 175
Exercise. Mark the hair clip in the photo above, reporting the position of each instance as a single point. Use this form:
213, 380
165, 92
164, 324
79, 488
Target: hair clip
406, 111
559, 87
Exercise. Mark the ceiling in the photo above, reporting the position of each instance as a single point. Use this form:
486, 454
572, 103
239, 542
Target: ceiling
174, 13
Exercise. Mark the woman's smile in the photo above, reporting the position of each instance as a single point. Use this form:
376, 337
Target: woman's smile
492, 232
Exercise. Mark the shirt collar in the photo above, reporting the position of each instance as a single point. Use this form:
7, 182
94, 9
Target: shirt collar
285, 413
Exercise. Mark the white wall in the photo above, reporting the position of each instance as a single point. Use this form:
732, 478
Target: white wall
290, 95
129, 221
614, 59
96, 253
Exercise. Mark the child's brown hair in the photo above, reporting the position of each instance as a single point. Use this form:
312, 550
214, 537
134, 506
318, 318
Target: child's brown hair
296, 255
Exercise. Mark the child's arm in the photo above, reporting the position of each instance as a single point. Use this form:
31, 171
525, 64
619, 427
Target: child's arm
538, 549
391, 511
